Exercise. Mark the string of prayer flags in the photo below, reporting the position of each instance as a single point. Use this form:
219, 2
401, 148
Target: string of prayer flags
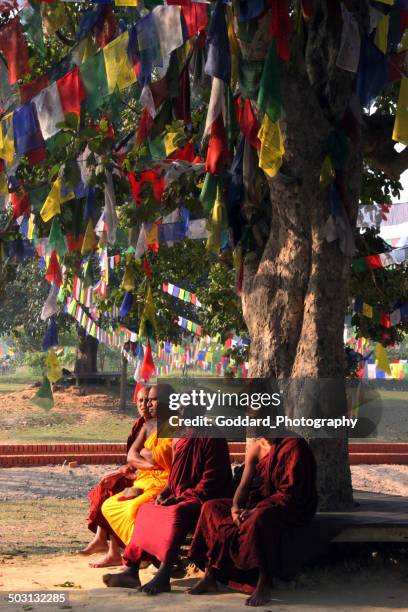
181, 294
380, 260
189, 325
386, 319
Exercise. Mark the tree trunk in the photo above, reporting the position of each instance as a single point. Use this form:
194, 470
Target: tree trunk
86, 353
123, 384
294, 295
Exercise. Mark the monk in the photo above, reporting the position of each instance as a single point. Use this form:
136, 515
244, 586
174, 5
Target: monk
239, 540
200, 471
151, 456
113, 483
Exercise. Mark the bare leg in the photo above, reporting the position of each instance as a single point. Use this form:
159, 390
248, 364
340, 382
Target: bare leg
161, 581
98, 544
128, 579
113, 556
263, 592
207, 584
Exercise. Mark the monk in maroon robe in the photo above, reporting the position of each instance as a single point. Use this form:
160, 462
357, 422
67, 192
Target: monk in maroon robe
239, 540
113, 483
200, 471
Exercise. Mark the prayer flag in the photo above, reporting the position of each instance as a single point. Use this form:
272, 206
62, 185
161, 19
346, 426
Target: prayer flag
20, 203
53, 274
269, 96
90, 241
27, 132
217, 147
44, 397
14, 49
71, 91
168, 25
49, 110
119, 71
52, 205
7, 138
148, 323
56, 239
54, 370
272, 149
400, 133
148, 368
218, 62
93, 75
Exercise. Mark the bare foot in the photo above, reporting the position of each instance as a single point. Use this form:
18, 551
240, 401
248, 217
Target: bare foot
93, 547
108, 561
207, 584
260, 597
127, 580
156, 586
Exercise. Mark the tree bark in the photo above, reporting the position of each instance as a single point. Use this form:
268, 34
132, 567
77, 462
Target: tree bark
86, 353
294, 297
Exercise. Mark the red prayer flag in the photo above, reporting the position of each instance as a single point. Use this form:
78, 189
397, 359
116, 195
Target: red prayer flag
185, 154
31, 89
385, 319
71, 91
281, 27
217, 148
20, 203
136, 391
14, 48
146, 267
53, 274
74, 244
196, 17
148, 367
373, 261
106, 30
248, 123
36, 156
145, 125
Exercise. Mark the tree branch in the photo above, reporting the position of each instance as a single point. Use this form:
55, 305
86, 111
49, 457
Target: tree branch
378, 146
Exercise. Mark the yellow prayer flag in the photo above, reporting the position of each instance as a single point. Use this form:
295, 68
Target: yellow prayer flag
390, 2
7, 138
148, 315
119, 71
54, 371
215, 225
327, 173
181, 294
31, 227
382, 360
52, 205
90, 239
272, 149
400, 133
367, 311
127, 2
233, 43
152, 235
128, 281
169, 141
381, 34
3, 184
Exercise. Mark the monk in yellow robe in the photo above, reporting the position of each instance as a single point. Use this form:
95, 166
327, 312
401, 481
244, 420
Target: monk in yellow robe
152, 457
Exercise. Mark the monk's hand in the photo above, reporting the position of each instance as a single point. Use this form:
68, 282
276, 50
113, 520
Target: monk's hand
130, 493
245, 514
236, 515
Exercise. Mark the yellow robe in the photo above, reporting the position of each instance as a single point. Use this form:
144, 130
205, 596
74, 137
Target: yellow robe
121, 515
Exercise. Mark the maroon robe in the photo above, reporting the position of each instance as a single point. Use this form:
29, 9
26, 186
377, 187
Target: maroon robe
109, 486
286, 498
200, 471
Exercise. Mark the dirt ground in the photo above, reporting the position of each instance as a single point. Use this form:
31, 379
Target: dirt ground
42, 525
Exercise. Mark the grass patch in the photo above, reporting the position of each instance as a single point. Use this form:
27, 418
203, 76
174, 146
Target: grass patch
43, 526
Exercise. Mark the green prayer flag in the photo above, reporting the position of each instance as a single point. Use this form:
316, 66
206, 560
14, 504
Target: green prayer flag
93, 75
56, 240
30, 17
359, 265
209, 192
269, 96
44, 398
157, 149
249, 76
